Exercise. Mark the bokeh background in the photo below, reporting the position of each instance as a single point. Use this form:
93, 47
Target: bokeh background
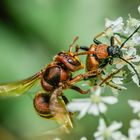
31, 33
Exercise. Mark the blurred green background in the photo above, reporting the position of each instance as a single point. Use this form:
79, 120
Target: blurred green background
31, 33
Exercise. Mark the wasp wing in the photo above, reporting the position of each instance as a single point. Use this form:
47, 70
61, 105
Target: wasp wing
59, 110
18, 87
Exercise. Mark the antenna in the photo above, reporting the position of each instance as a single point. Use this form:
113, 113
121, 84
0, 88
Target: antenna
72, 45
132, 68
130, 36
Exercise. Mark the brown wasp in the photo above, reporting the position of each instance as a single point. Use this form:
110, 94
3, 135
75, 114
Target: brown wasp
53, 79
100, 55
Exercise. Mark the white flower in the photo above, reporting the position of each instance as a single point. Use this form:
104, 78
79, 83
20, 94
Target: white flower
132, 57
131, 53
135, 77
118, 80
132, 23
135, 105
136, 39
93, 105
108, 132
139, 8
56, 139
83, 138
116, 25
136, 80
134, 130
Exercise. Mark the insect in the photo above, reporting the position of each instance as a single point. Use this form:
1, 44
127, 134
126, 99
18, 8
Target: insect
57, 76
99, 55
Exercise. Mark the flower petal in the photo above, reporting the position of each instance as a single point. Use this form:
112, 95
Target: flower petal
84, 110
116, 25
136, 80
98, 91
136, 59
135, 123
118, 136
97, 134
93, 110
110, 100
131, 51
99, 138
102, 125
83, 138
102, 107
139, 8
115, 126
135, 105
117, 80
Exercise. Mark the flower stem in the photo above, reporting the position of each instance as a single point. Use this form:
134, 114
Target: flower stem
107, 121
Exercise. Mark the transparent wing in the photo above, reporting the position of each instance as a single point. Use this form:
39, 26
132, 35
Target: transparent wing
18, 87
59, 110
64, 117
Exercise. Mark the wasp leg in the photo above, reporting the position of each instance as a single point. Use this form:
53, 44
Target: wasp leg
97, 42
99, 35
120, 35
79, 90
84, 53
112, 41
72, 45
110, 83
85, 48
83, 76
105, 80
77, 48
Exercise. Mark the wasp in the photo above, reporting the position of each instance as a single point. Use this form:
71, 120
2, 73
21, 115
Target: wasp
100, 55
54, 78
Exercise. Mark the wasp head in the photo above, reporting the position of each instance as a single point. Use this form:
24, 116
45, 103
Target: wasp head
114, 51
70, 61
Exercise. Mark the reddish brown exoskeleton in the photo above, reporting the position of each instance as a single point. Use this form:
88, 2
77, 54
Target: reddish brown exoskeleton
54, 78
100, 55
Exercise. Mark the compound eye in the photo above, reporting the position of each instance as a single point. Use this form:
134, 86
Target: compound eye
61, 53
74, 62
71, 61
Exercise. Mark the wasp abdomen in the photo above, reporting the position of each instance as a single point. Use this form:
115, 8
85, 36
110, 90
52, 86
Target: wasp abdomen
41, 105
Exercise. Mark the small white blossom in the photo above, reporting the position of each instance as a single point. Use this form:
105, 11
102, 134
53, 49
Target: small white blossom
131, 53
56, 139
136, 80
94, 105
116, 25
135, 105
139, 8
132, 22
136, 39
118, 80
83, 138
134, 130
108, 132
132, 57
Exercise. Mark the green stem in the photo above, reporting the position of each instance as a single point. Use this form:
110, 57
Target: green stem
107, 121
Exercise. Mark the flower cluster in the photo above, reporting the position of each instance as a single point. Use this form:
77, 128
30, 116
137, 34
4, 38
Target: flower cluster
122, 31
97, 104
